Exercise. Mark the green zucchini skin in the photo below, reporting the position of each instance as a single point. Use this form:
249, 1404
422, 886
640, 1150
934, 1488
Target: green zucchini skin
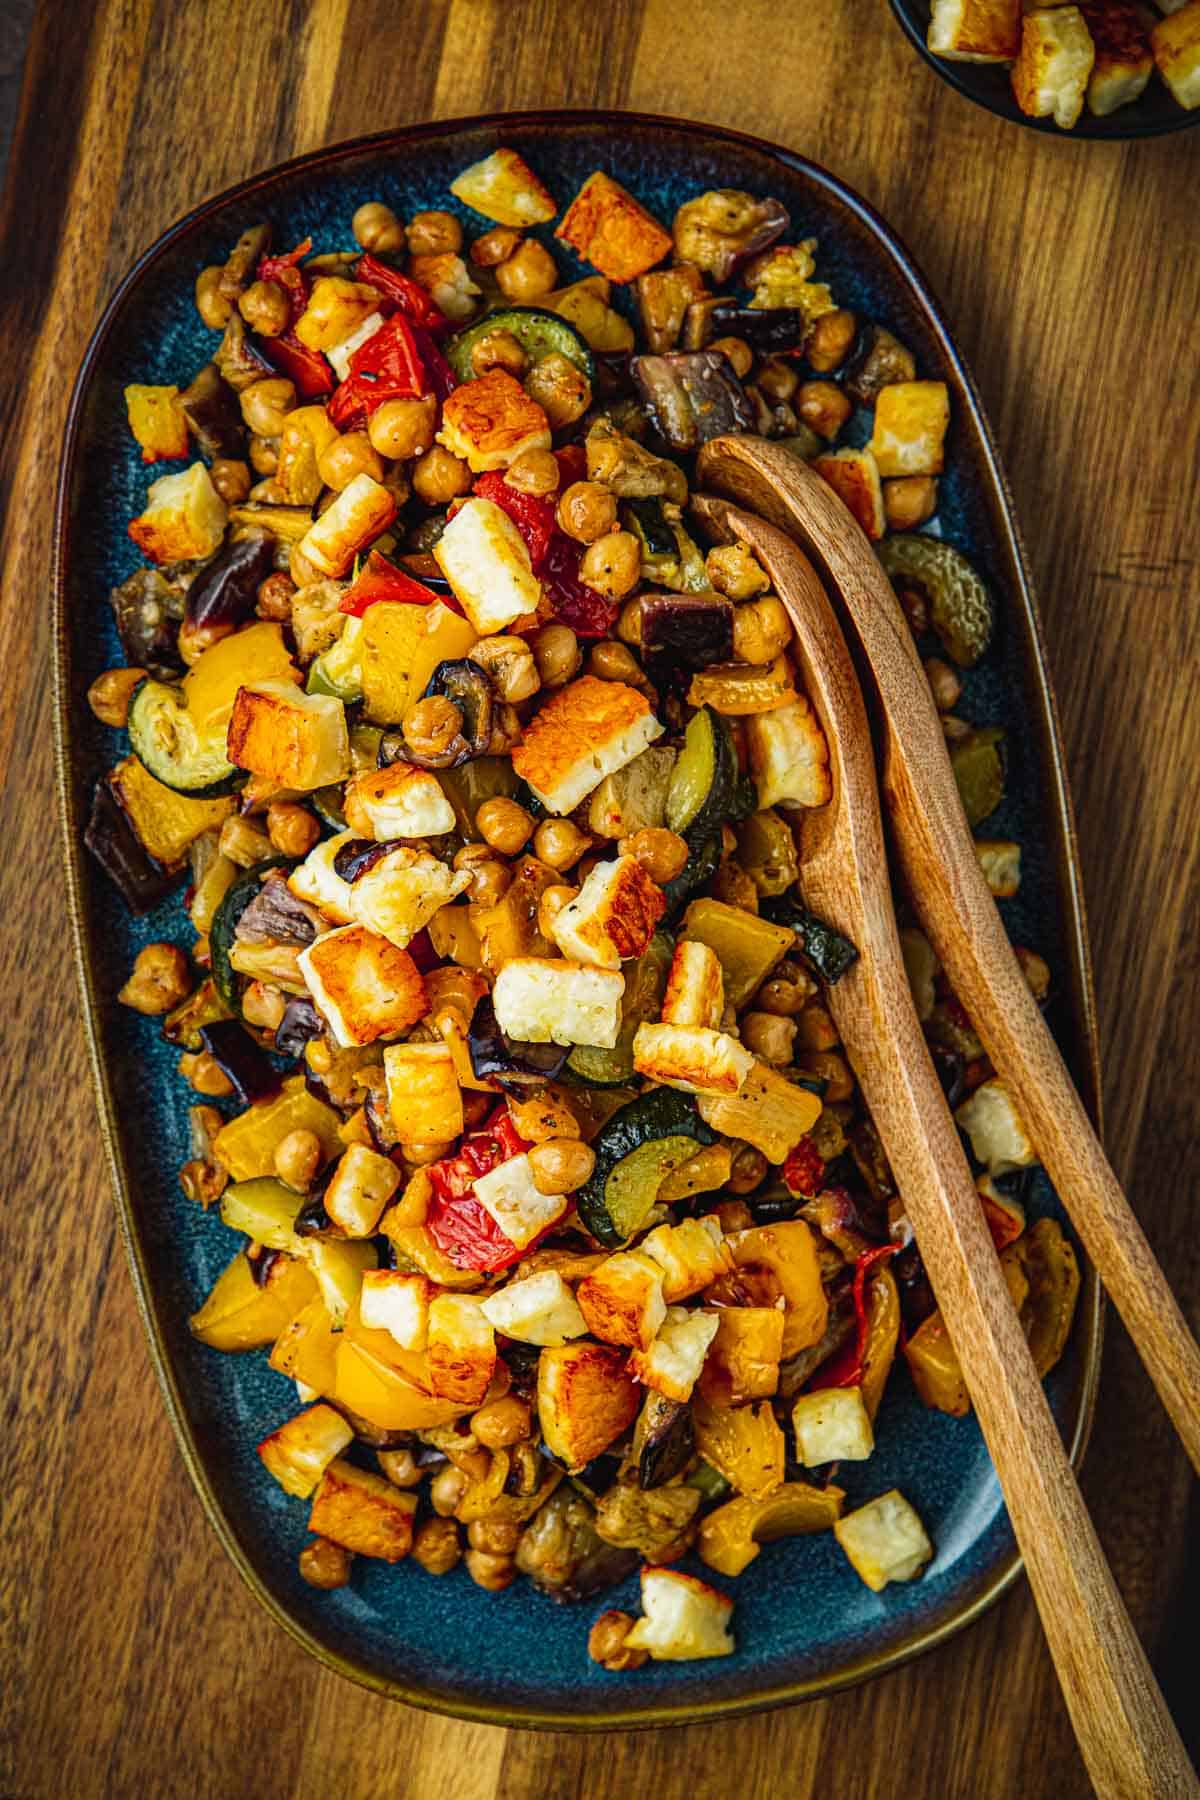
704, 859
825, 950
538, 332
660, 1114
221, 934
155, 713
705, 779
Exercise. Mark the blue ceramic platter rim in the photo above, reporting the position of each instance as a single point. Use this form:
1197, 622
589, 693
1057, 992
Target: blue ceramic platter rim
988, 85
396, 1630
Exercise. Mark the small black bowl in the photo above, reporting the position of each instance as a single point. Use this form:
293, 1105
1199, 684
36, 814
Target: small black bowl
988, 85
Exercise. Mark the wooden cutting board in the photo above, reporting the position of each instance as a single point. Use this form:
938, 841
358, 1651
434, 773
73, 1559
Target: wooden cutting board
133, 1661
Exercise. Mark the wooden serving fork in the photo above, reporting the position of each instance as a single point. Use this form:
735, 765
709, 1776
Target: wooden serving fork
1124, 1730
937, 861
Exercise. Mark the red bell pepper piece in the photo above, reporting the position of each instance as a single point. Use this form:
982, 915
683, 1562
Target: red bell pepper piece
386, 367
442, 379
283, 271
572, 463
845, 1369
575, 604
379, 579
804, 1169
460, 1227
533, 518
418, 306
307, 368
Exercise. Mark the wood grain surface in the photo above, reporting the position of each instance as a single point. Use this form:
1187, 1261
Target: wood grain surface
131, 1660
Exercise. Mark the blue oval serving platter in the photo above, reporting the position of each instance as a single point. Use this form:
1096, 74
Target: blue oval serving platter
804, 1622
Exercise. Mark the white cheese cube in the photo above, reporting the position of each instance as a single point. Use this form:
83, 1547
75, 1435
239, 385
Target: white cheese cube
364, 987
299, 1453
993, 1124
510, 1197
695, 992
461, 1348
544, 1001
287, 737
884, 1540
672, 1364
690, 1254
184, 517
587, 730
315, 879
397, 802
361, 511
538, 1309
613, 915
832, 1425
683, 1618
483, 557
400, 893
693, 1058
397, 1303
622, 1300
340, 353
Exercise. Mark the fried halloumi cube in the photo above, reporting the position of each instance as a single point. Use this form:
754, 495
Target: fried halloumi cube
538, 1309
1124, 61
484, 558
743, 1361
608, 228
398, 1303
691, 1057
447, 280
832, 1425
503, 187
911, 418
158, 422
341, 353
622, 1300
683, 1618
361, 1186
364, 987
586, 1398
671, 1365
317, 880
397, 802
461, 1348
884, 1540
336, 307
540, 1000
424, 1097
289, 738
183, 519
1176, 46
854, 477
361, 511
975, 30
768, 1111
491, 421
587, 730
695, 992
998, 1136
613, 915
789, 757
1051, 73
362, 1512
299, 1453
511, 1197
400, 893
691, 1256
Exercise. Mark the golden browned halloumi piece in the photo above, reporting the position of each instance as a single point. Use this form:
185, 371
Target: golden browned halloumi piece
691, 1057
854, 477
488, 422
364, 987
1051, 73
363, 1513
589, 729
613, 915
695, 992
184, 517
981, 31
289, 738
503, 187
608, 228
622, 1300
911, 418
1176, 45
586, 1397
1124, 63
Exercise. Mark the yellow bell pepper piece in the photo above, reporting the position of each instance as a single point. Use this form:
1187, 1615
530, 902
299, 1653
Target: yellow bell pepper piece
730, 1537
304, 1350
789, 1252
246, 1146
402, 645
241, 1315
745, 1444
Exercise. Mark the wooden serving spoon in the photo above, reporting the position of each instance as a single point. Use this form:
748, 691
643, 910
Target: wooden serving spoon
1124, 1729
937, 860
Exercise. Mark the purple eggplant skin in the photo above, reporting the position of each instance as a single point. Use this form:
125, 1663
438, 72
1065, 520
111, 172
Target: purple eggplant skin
226, 591
664, 1440
377, 1114
301, 1022
514, 1065
692, 396
148, 610
239, 1058
359, 855
697, 629
770, 330
142, 882
773, 221
214, 417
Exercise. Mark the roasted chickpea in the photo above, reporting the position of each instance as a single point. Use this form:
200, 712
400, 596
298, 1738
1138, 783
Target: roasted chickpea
830, 339
606, 1643
735, 573
734, 886
400, 429
509, 662
265, 404
611, 661
557, 654
446, 1490
777, 379
202, 1073
490, 878
563, 391
203, 1180
770, 1036
909, 500
275, 597
428, 1150
160, 979
823, 406
264, 456
347, 457
561, 1165
231, 478
736, 351
297, 1159
431, 725
832, 1069
376, 228
500, 1423
761, 629
559, 843
504, 825
211, 304
944, 682
587, 511
436, 1546
292, 829
629, 624
439, 477
263, 1005
735, 1215
495, 246
494, 1573
264, 306
434, 233
400, 1467
528, 273
662, 853
1035, 969
194, 640
324, 1564
499, 350
496, 1537
551, 903
815, 1029
534, 472
748, 1168
110, 694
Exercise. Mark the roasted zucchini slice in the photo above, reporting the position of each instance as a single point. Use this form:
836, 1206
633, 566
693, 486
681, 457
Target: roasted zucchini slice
704, 780
961, 609
224, 926
634, 1151
164, 738
539, 334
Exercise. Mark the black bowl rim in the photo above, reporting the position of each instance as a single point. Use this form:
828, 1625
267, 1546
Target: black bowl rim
1116, 128
1090, 1321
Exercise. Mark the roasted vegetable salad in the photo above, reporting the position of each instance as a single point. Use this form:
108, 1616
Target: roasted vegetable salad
505, 1017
